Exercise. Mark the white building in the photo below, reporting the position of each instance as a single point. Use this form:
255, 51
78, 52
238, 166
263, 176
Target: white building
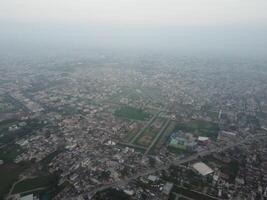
202, 168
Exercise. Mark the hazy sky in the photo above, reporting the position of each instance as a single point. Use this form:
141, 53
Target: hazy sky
198, 25
163, 12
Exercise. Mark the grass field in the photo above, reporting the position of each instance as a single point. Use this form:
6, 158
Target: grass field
9, 173
137, 93
176, 151
199, 128
39, 182
9, 153
147, 137
164, 137
150, 132
131, 113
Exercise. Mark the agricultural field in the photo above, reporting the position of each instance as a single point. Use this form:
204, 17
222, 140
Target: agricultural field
131, 113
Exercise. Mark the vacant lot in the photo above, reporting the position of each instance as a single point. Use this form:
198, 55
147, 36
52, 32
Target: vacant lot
39, 182
164, 137
199, 128
9, 173
9, 153
150, 132
131, 113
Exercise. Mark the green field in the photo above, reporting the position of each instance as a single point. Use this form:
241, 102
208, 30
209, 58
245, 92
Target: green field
131, 113
10, 136
164, 137
129, 136
199, 128
39, 182
9, 153
176, 151
9, 173
138, 93
146, 137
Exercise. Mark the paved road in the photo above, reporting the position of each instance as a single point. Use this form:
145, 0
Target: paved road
177, 162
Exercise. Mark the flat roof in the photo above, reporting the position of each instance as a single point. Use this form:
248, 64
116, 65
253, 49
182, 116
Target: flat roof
202, 168
201, 138
27, 197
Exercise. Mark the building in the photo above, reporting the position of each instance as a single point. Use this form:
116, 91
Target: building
203, 140
183, 141
202, 168
27, 197
167, 188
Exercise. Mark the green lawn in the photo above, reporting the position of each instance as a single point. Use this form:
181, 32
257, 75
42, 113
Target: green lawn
9, 173
131, 113
146, 137
39, 182
199, 128
164, 137
176, 151
9, 153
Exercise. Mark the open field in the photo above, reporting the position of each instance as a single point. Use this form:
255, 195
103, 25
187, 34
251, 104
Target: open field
9, 173
9, 153
189, 194
163, 137
144, 128
155, 140
136, 94
150, 132
175, 151
149, 135
199, 128
31, 184
131, 113
133, 130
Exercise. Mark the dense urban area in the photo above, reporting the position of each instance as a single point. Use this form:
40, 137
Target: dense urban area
127, 125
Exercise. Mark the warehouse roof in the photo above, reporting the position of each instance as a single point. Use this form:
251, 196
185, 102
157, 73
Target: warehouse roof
202, 168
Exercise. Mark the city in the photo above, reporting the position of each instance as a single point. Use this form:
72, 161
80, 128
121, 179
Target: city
131, 126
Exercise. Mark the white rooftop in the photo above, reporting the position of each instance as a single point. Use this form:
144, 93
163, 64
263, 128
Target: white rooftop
27, 197
202, 168
152, 178
201, 138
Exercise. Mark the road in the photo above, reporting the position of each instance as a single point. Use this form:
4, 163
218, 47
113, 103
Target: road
177, 162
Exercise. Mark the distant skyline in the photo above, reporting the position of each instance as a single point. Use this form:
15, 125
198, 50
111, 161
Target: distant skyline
138, 12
